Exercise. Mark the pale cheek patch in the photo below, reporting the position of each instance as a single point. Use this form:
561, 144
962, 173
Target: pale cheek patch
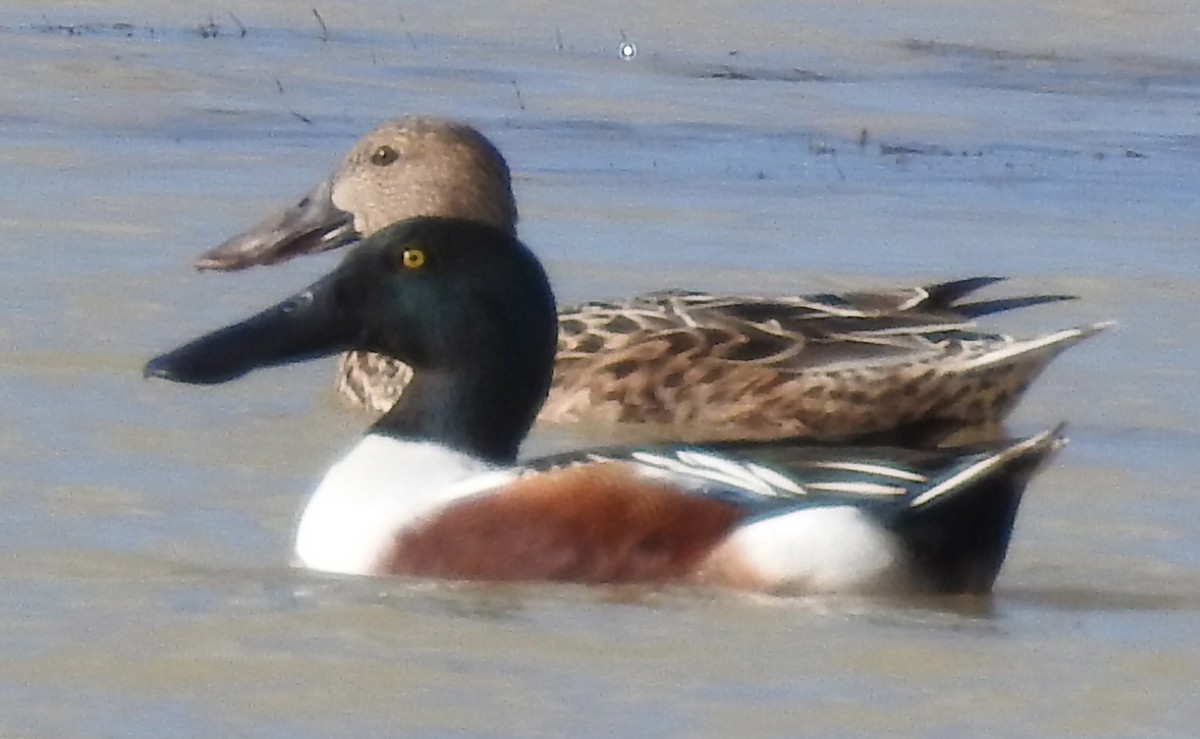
813, 551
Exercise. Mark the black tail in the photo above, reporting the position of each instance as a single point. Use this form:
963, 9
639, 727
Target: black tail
987, 307
957, 533
945, 296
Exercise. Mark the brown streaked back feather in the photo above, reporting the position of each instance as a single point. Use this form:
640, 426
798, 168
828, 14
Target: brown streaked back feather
705, 383
700, 368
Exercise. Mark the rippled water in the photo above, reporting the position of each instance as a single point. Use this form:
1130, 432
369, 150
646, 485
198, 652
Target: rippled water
762, 146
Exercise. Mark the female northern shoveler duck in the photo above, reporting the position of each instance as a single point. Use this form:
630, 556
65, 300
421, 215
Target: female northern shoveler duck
890, 365
432, 491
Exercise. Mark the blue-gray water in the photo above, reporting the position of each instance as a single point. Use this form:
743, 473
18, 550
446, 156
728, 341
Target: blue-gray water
146, 527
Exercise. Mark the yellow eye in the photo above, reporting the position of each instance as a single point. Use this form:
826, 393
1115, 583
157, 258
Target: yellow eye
384, 156
413, 258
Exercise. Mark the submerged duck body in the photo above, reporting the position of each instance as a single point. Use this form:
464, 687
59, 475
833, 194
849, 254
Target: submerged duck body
682, 365
433, 488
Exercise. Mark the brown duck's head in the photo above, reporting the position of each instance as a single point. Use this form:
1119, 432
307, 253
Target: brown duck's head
405, 168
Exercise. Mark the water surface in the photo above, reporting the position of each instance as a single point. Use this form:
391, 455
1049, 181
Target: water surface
763, 147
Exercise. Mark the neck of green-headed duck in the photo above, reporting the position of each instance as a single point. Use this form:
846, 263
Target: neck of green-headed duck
485, 416
482, 362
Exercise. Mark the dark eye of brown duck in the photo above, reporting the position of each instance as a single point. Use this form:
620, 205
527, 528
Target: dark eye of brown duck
384, 156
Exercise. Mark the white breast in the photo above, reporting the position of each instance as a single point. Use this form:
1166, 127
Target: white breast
378, 489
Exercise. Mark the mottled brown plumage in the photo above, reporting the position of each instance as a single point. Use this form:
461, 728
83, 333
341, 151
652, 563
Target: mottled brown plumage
693, 367
680, 365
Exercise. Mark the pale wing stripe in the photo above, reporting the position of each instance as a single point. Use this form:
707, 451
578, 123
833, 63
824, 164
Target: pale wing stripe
653, 459
919, 296
722, 464
776, 479
751, 474
680, 309
873, 469
1025, 347
978, 469
858, 488
741, 481
924, 328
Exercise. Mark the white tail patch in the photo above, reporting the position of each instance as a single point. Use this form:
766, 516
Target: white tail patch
822, 549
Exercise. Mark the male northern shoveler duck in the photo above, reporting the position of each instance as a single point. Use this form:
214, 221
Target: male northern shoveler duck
432, 490
889, 365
